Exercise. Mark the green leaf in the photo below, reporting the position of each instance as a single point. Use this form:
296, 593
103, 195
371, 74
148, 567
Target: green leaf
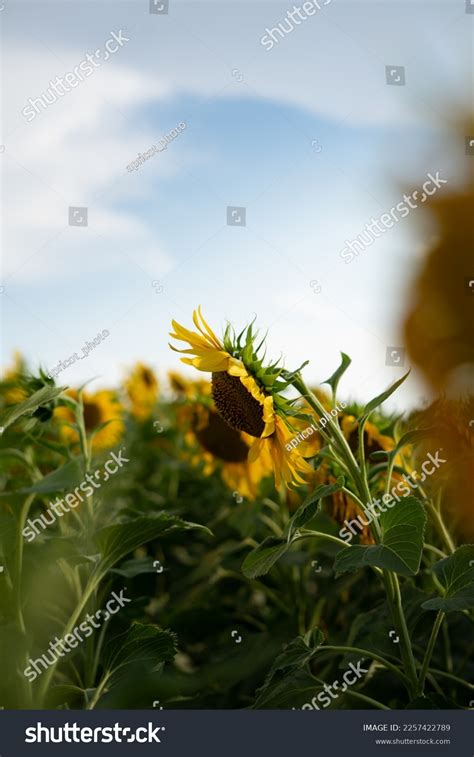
333, 381
308, 509
298, 652
135, 567
296, 655
260, 560
28, 406
401, 546
370, 407
65, 478
380, 454
118, 540
370, 629
456, 574
433, 702
142, 642
412, 437
291, 691
141, 645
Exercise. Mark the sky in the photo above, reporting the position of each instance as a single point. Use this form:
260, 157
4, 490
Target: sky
308, 137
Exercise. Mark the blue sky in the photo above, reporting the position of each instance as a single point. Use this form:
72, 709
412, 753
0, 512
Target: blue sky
251, 120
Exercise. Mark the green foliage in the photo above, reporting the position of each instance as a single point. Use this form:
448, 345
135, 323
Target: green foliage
227, 596
40, 398
401, 544
456, 574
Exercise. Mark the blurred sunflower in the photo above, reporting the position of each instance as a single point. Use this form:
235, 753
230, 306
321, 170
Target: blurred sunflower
451, 427
12, 390
439, 326
102, 417
141, 388
343, 508
246, 394
184, 387
374, 441
216, 445
340, 505
439, 336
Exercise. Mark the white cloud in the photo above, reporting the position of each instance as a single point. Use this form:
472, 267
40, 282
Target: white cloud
71, 154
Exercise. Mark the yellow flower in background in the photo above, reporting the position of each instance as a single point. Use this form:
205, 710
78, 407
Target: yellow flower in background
374, 441
12, 392
184, 387
439, 327
344, 508
141, 388
246, 395
216, 445
102, 407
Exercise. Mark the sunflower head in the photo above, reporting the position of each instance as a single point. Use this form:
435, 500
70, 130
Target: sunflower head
102, 418
246, 392
183, 387
374, 440
13, 389
141, 388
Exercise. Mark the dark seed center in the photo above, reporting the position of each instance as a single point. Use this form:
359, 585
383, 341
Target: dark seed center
221, 440
370, 445
236, 405
147, 377
92, 415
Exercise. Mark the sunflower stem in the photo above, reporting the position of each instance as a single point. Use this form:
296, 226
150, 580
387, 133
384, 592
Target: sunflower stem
429, 651
359, 475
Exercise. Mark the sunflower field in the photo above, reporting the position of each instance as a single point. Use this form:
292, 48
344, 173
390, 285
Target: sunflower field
232, 538
228, 536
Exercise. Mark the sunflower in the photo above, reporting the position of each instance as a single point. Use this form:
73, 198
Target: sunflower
184, 387
213, 444
450, 423
374, 441
102, 417
13, 392
141, 388
223, 448
340, 505
246, 395
439, 328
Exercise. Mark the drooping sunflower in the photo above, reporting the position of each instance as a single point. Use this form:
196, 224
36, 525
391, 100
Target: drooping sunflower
141, 388
103, 415
246, 394
215, 445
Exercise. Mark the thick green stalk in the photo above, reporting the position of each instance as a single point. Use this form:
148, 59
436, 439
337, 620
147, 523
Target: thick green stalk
94, 581
440, 527
429, 651
360, 481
